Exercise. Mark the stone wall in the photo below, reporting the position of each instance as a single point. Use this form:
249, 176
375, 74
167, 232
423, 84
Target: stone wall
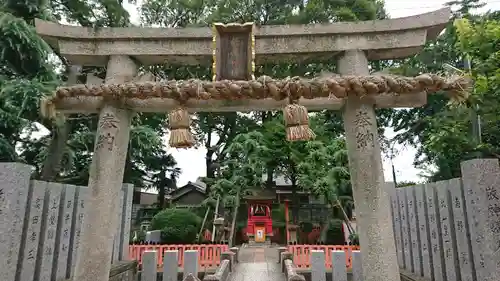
41, 225
450, 230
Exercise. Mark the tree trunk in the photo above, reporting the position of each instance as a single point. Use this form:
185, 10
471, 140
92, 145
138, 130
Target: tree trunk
265, 116
161, 191
52, 164
270, 175
60, 134
210, 163
203, 224
216, 213
233, 223
128, 166
346, 218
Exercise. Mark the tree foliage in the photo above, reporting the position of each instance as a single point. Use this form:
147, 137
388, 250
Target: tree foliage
325, 172
442, 132
29, 71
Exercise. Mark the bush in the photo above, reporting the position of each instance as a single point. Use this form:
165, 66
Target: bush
335, 236
178, 226
306, 227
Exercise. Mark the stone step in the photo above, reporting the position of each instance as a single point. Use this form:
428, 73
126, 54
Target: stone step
252, 243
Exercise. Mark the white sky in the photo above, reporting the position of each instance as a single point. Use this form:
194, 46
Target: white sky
192, 161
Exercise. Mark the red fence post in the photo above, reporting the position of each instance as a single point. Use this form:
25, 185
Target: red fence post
302, 254
208, 255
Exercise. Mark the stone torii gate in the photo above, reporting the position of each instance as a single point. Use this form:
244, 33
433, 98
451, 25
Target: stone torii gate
235, 49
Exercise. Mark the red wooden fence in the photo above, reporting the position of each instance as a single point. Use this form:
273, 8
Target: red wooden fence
302, 254
208, 255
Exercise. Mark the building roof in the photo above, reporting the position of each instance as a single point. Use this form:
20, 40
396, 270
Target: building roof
281, 185
197, 186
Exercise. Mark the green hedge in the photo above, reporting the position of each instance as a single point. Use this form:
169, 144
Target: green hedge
178, 226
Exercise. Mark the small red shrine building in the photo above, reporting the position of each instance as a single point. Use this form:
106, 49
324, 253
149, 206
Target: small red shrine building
259, 220
260, 223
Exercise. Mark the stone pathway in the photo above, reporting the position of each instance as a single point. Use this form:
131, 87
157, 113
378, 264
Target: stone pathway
257, 264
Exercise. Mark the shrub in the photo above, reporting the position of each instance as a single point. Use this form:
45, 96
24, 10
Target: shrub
306, 227
335, 236
178, 226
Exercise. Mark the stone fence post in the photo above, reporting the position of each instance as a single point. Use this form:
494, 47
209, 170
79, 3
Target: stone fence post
339, 273
357, 266
235, 250
285, 256
190, 263
14, 187
318, 269
230, 257
481, 183
280, 251
149, 266
170, 265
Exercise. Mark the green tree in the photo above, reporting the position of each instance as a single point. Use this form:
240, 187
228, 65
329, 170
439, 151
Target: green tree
441, 131
216, 131
284, 157
241, 172
164, 175
325, 173
27, 75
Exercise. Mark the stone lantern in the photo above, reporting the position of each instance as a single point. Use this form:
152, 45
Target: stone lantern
219, 229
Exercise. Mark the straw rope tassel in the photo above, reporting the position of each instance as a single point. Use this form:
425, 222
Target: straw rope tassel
297, 123
180, 133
